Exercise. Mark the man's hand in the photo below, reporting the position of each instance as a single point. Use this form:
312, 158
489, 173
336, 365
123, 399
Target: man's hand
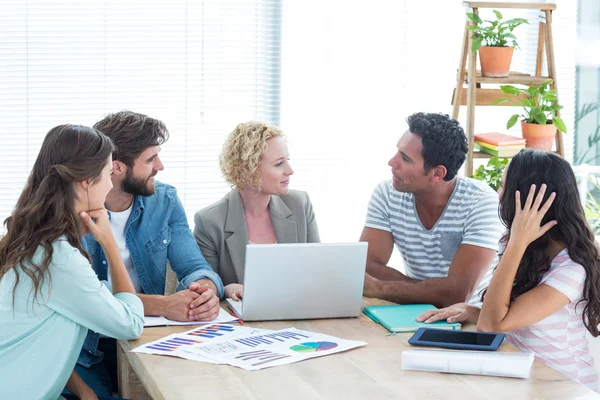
206, 306
371, 286
178, 305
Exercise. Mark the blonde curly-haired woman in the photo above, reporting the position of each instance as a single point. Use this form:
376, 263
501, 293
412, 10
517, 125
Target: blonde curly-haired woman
260, 208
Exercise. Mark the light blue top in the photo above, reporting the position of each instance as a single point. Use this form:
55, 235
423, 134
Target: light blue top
41, 340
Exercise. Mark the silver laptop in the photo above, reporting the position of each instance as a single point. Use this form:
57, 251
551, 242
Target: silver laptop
302, 281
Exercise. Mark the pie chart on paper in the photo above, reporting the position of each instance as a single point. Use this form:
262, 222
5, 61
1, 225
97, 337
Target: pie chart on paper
310, 347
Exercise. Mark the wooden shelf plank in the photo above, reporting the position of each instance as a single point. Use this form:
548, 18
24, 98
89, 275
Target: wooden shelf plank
515, 77
515, 80
482, 154
485, 97
512, 73
527, 5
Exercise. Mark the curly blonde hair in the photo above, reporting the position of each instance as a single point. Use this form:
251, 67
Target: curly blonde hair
243, 151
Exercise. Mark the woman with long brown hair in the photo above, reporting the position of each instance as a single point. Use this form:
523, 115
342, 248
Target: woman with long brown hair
545, 292
49, 294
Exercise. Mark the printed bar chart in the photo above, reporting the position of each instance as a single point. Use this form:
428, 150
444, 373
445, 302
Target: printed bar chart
172, 344
212, 331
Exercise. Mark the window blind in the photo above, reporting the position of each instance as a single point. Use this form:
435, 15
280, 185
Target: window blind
200, 66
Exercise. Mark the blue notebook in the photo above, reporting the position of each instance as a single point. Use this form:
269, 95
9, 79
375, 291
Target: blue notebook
403, 318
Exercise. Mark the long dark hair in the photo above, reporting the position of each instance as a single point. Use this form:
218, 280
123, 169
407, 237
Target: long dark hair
539, 167
45, 210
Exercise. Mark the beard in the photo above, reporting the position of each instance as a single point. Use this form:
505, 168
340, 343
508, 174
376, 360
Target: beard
137, 186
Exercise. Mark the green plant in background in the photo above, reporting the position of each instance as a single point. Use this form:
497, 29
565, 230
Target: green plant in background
496, 33
592, 206
593, 138
492, 172
538, 102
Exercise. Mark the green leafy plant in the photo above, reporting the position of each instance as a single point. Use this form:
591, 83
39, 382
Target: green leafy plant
592, 206
496, 33
539, 103
588, 156
492, 172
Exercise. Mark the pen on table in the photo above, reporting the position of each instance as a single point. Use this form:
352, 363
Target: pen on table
235, 316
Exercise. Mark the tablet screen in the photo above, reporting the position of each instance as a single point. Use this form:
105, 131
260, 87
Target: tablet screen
482, 339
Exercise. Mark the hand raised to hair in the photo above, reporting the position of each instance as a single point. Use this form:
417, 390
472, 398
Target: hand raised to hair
526, 226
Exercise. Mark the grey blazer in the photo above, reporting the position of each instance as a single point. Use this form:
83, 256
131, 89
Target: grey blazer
220, 230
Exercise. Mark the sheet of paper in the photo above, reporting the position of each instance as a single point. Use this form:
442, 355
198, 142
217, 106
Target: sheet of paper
271, 349
248, 348
222, 318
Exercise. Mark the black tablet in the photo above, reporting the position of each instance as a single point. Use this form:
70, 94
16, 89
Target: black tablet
461, 340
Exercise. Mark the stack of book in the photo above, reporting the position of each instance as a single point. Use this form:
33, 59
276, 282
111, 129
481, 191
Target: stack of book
498, 144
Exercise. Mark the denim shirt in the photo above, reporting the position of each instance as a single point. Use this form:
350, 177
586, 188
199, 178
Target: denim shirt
156, 231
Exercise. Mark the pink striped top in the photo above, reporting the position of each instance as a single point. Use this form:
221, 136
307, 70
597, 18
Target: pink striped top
559, 340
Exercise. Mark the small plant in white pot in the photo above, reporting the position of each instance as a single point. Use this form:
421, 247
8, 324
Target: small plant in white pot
495, 42
539, 122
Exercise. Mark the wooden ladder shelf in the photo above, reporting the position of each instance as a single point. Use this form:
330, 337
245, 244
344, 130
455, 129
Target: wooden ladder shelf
474, 95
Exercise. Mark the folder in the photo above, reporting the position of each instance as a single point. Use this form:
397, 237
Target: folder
403, 318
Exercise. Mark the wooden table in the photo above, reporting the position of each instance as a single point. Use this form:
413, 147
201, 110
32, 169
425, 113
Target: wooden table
371, 372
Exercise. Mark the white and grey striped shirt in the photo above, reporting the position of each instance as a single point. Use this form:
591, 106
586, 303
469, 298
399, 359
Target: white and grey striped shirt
470, 217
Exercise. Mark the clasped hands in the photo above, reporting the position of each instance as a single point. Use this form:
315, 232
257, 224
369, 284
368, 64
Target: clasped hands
197, 303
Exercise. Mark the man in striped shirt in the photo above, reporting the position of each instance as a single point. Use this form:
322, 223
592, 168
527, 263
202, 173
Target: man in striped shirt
446, 227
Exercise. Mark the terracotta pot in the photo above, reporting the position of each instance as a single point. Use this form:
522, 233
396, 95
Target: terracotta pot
540, 137
495, 61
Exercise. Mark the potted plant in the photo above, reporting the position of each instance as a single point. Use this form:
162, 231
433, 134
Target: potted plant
539, 123
495, 42
492, 172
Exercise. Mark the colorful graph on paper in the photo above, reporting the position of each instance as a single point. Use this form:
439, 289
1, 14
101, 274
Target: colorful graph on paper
310, 347
272, 338
212, 331
261, 356
172, 344
246, 347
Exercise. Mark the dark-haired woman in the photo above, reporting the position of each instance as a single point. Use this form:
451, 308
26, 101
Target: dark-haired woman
49, 294
545, 292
